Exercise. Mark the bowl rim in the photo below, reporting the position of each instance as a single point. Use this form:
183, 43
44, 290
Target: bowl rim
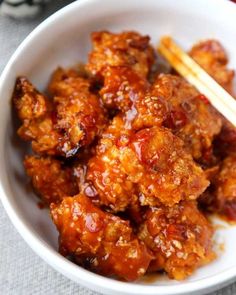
61, 264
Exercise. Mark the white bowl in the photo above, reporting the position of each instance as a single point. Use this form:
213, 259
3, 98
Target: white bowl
63, 39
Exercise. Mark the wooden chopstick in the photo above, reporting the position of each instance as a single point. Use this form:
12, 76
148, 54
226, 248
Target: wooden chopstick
198, 77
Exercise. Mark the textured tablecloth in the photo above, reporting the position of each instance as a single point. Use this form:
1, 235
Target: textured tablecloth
22, 272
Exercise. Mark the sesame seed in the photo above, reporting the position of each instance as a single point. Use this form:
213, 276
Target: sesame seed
177, 244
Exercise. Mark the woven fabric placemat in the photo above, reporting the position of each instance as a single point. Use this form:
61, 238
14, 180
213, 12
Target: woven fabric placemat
22, 272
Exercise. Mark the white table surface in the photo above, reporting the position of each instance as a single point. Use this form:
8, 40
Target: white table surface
22, 272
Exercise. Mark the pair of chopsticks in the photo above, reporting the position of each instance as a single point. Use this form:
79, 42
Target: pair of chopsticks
198, 77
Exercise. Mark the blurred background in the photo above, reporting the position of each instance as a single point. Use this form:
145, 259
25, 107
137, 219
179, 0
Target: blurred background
18, 19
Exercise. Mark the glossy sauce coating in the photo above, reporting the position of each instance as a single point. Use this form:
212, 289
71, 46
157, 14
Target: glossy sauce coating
122, 86
103, 241
164, 168
180, 238
170, 101
148, 111
59, 127
128, 92
125, 49
79, 112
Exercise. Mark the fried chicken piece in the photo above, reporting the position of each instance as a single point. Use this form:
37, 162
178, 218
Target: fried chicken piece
105, 173
125, 49
36, 113
101, 241
190, 116
29, 103
164, 172
73, 121
151, 165
126, 91
79, 112
180, 238
211, 55
122, 86
51, 180
148, 111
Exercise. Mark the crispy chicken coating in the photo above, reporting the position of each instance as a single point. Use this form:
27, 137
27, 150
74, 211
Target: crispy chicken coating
74, 119
80, 114
180, 238
190, 116
211, 55
148, 111
105, 173
164, 172
130, 93
35, 112
122, 86
57, 77
101, 241
29, 103
151, 165
50, 179
125, 49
